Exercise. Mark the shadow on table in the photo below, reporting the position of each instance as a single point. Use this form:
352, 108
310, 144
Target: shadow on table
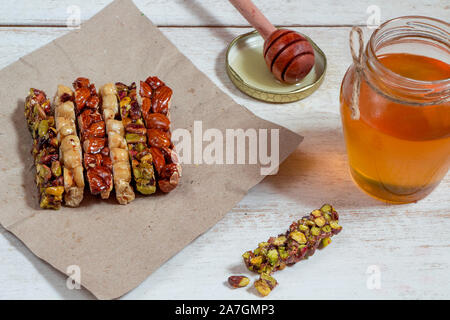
317, 173
24, 150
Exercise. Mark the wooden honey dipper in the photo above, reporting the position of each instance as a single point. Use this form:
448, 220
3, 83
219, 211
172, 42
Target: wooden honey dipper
289, 55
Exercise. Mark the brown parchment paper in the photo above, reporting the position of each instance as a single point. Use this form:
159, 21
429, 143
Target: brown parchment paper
117, 247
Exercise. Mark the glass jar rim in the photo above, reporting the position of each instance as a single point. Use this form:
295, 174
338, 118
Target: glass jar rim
371, 52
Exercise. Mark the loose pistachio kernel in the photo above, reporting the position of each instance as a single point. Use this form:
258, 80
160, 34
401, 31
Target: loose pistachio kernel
256, 261
326, 208
262, 287
279, 241
238, 281
334, 224
327, 217
303, 228
320, 222
272, 256
316, 213
270, 280
257, 251
315, 231
298, 236
246, 255
43, 128
325, 242
326, 228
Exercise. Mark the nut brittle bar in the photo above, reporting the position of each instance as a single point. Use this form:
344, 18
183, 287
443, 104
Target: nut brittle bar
299, 242
156, 97
70, 152
136, 137
41, 123
92, 130
117, 144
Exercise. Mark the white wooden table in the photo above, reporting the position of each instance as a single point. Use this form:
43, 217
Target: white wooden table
408, 244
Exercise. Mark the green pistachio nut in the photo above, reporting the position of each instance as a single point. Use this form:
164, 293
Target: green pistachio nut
334, 224
262, 287
256, 261
303, 228
298, 237
279, 241
316, 213
315, 231
56, 168
137, 173
55, 191
326, 208
146, 189
325, 242
320, 222
134, 138
282, 252
140, 147
272, 256
43, 128
270, 280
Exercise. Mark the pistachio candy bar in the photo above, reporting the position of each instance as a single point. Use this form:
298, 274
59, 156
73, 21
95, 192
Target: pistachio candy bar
92, 130
299, 242
70, 152
41, 124
117, 144
136, 136
156, 98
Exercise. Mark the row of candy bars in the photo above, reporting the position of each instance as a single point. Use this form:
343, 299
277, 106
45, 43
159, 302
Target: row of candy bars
94, 137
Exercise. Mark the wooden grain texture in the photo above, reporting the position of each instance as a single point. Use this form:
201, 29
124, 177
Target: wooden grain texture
409, 243
222, 13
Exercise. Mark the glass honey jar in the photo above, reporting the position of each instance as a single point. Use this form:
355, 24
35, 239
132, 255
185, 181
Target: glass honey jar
399, 144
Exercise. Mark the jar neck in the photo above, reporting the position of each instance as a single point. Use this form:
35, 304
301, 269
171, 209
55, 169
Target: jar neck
416, 35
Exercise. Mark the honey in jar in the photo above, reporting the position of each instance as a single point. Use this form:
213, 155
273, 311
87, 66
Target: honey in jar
399, 148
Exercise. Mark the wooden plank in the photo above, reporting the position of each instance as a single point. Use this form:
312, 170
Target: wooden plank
221, 13
408, 243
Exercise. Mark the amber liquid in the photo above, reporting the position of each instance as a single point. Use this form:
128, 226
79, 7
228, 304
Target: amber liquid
398, 152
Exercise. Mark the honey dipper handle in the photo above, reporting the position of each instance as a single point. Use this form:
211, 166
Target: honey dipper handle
250, 12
